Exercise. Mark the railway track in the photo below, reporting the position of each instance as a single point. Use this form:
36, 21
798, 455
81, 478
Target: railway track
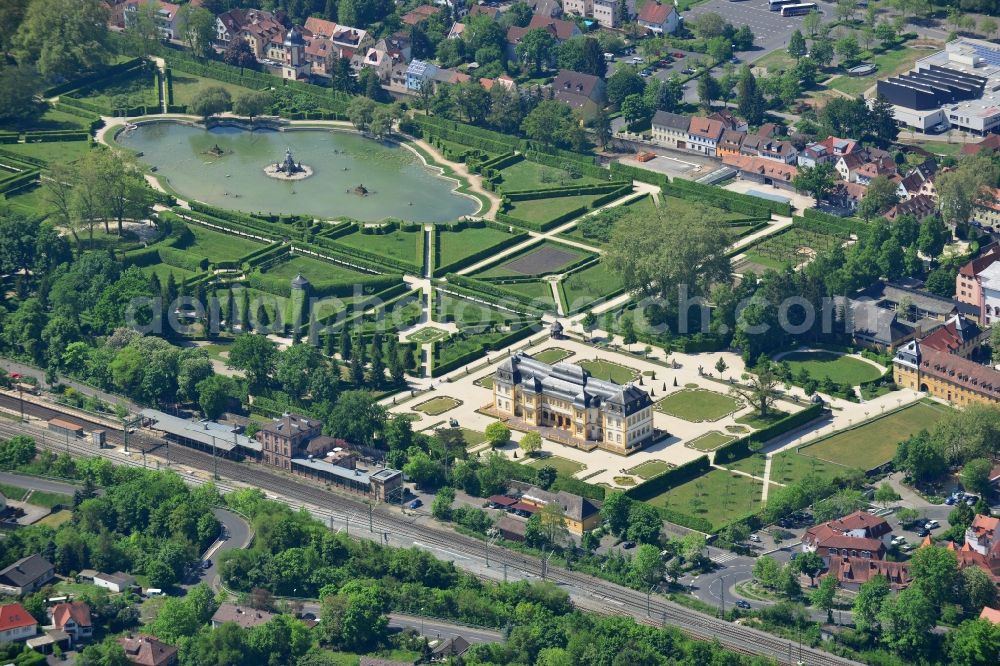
611, 598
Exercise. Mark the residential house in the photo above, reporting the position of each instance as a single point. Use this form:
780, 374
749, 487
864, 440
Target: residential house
450, 648
923, 305
704, 135
859, 534
729, 121
549, 8
830, 149
987, 210
419, 14
320, 51
920, 206
584, 93
73, 617
351, 39
848, 165
991, 614
148, 651
457, 28
777, 150
580, 513
245, 618
376, 59
991, 143
853, 572
116, 582
847, 195
417, 72
958, 336
559, 29
26, 575
286, 437
262, 30
16, 623
124, 15
730, 143
659, 17
604, 12
511, 528
763, 171
485, 10
909, 186
982, 540
883, 166
671, 129
968, 286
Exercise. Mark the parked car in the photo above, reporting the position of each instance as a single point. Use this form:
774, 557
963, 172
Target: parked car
794, 556
207, 564
923, 531
628, 545
415, 504
971, 500
678, 54
950, 500
931, 524
740, 603
755, 538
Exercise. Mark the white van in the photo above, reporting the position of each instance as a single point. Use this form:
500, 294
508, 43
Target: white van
153, 592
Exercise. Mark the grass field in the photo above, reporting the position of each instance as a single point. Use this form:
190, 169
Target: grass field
15, 493
537, 290
138, 90
163, 271
889, 64
51, 151
313, 269
791, 248
945, 148
51, 119
457, 245
615, 372
187, 86
754, 420
875, 442
545, 210
472, 437
528, 175
562, 465
49, 500
436, 406
698, 405
776, 61
218, 246
54, 520
552, 355
718, 496
428, 334
405, 246
649, 469
710, 441
839, 368
582, 288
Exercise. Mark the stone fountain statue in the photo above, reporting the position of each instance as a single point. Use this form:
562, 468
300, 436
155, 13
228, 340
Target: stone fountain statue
288, 168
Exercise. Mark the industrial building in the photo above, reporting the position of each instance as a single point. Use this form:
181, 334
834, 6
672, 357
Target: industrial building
958, 87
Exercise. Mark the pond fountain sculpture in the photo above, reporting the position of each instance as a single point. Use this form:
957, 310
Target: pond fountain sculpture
288, 168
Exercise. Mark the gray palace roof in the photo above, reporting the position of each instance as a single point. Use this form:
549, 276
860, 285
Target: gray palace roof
571, 383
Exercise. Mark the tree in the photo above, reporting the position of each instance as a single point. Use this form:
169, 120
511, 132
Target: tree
761, 388
214, 394
811, 23
907, 619
823, 595
357, 417
424, 471
634, 110
255, 355
987, 26
935, 574
360, 112
497, 434
797, 45
885, 494
886, 34
615, 512
644, 523
959, 190
817, 180
536, 48
976, 476
708, 90
707, 25
624, 82
646, 567
239, 53
868, 604
62, 38
933, 236
976, 642
210, 101
879, 197
546, 476
810, 564
441, 506
767, 570
821, 52
978, 590
549, 123
749, 100
197, 25
660, 255
18, 86
530, 443
120, 191
252, 103
552, 524
721, 366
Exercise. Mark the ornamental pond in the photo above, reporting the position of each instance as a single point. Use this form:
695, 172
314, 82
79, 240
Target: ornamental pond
224, 166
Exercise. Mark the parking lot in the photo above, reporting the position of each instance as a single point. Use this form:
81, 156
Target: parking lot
771, 31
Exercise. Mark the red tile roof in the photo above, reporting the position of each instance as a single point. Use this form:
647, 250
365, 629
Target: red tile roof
981, 379
992, 142
706, 127
762, 166
14, 616
981, 263
563, 29
991, 614
419, 14
147, 650
949, 338
78, 611
859, 570
655, 12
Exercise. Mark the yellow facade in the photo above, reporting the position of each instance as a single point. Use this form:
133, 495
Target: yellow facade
939, 388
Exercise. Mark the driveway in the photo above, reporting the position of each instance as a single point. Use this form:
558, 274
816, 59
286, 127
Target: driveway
35, 483
235, 533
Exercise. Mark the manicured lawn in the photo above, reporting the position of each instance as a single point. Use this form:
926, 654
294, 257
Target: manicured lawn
615, 372
889, 64
457, 245
139, 90
546, 210
187, 86
473, 437
776, 61
436, 406
313, 269
754, 420
582, 288
944, 148
428, 334
218, 246
790, 466
51, 151
467, 313
486, 382
562, 465
52, 119
15, 493
698, 405
552, 355
718, 496
405, 246
875, 442
839, 368
537, 290
56, 519
49, 500
650, 468
162, 271
528, 175
710, 441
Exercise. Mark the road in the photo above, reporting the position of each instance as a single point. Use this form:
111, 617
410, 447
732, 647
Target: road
388, 525
235, 533
35, 483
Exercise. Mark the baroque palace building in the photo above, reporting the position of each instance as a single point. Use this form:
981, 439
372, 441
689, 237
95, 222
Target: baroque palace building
565, 398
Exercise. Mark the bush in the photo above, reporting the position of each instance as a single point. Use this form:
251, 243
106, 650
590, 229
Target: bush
740, 448
182, 259
489, 289
669, 479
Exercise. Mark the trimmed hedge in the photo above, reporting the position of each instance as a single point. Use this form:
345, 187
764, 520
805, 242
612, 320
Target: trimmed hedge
183, 259
731, 201
19, 181
832, 225
670, 479
370, 257
585, 165
488, 290
444, 368
570, 191
107, 73
26, 160
485, 252
9, 137
146, 256
541, 226
56, 135
621, 171
740, 448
